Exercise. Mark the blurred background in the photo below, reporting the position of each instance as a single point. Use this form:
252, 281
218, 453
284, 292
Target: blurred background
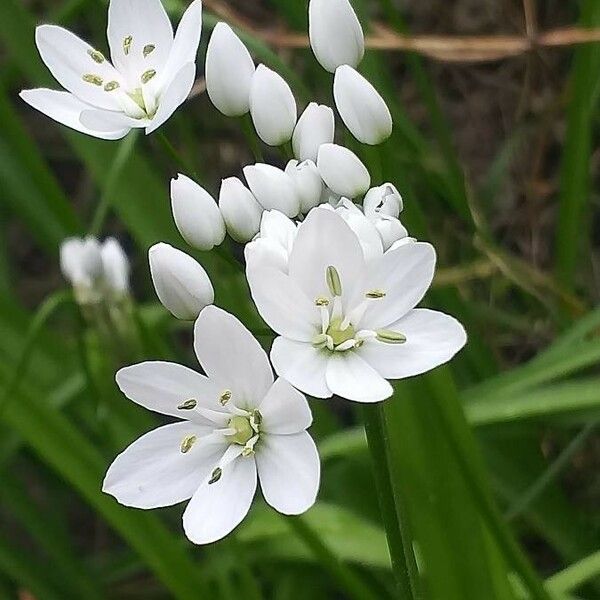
495, 104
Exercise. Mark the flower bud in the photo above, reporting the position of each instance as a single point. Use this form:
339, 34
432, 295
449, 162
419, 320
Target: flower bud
229, 72
342, 171
240, 209
196, 214
308, 183
315, 126
272, 106
181, 283
385, 200
273, 188
115, 266
361, 107
336, 36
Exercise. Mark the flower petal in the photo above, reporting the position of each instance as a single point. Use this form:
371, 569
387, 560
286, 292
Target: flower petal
173, 96
302, 365
324, 239
283, 305
66, 108
289, 472
153, 472
350, 377
284, 410
218, 508
163, 386
231, 356
69, 59
432, 339
405, 275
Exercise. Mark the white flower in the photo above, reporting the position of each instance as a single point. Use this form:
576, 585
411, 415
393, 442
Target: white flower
115, 267
151, 74
272, 247
181, 283
240, 426
361, 107
308, 183
383, 200
273, 188
346, 325
342, 171
240, 209
229, 71
196, 214
336, 36
272, 106
316, 126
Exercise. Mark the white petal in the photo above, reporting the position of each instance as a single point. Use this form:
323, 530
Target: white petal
66, 108
147, 22
289, 472
405, 275
316, 126
153, 472
162, 387
283, 305
173, 96
324, 239
69, 60
230, 354
350, 377
342, 171
229, 71
302, 365
284, 410
216, 509
432, 339
361, 107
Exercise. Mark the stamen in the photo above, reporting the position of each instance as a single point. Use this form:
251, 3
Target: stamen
94, 79
96, 56
188, 405
127, 44
148, 75
148, 49
334, 282
187, 443
321, 301
216, 475
390, 337
375, 294
225, 397
111, 86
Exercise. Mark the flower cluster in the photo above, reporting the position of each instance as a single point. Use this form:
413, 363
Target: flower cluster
331, 268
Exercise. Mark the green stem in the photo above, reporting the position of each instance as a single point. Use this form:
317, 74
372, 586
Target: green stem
175, 156
352, 584
402, 556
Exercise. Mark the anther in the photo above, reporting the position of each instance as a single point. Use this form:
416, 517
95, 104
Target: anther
216, 475
148, 49
390, 337
94, 79
96, 56
375, 294
111, 86
127, 44
333, 281
225, 397
188, 405
187, 443
148, 75
321, 301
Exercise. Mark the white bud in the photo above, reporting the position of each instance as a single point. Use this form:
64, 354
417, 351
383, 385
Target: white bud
315, 126
361, 107
115, 266
390, 230
273, 188
342, 171
196, 214
308, 183
229, 71
181, 283
240, 209
336, 36
272, 106
385, 200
